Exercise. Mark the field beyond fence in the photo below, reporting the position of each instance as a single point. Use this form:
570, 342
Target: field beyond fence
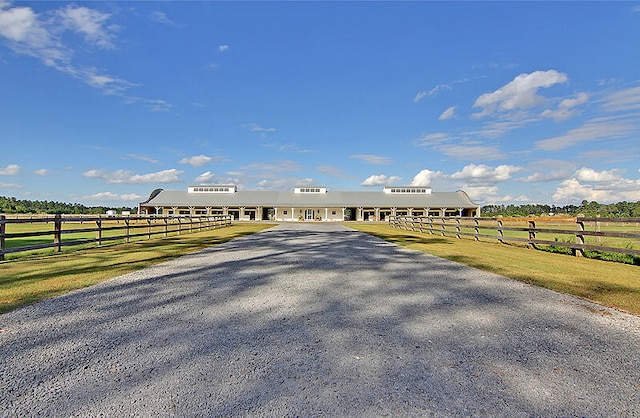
613, 239
28, 235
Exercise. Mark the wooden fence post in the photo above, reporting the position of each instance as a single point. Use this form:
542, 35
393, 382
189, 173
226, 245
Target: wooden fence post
476, 229
532, 233
443, 230
3, 230
458, 229
579, 252
500, 231
166, 226
149, 227
127, 230
57, 233
99, 231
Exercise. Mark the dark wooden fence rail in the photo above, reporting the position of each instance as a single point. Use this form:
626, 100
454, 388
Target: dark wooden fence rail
482, 228
125, 228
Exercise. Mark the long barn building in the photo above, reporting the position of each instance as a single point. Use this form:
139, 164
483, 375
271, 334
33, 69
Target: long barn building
308, 203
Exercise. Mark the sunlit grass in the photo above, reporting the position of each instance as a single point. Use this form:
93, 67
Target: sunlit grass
28, 280
611, 284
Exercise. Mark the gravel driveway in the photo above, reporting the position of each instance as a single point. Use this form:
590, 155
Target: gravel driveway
317, 320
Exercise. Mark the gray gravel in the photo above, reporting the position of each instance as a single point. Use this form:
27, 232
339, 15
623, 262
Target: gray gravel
317, 320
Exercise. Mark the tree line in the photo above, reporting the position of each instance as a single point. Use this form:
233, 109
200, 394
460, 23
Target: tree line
12, 205
586, 208
611, 210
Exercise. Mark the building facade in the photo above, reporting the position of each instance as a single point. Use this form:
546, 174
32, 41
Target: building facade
308, 203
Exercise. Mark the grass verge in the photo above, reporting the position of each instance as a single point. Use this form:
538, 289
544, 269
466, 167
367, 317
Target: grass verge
28, 280
610, 284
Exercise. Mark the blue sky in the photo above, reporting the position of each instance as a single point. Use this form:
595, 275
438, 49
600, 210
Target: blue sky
513, 102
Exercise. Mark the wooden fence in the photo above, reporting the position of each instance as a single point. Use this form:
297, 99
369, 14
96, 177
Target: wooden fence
587, 233
67, 230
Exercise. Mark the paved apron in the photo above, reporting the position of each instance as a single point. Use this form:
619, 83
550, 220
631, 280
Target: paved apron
315, 319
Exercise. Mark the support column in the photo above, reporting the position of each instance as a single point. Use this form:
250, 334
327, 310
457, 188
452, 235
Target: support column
444, 211
360, 214
326, 214
293, 214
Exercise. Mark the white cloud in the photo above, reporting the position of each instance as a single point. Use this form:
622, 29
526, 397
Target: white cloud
448, 114
601, 186
566, 107
380, 180
594, 129
260, 129
41, 172
196, 160
11, 186
425, 177
104, 196
371, 159
623, 100
89, 22
520, 93
472, 152
161, 17
429, 140
142, 158
484, 174
28, 33
419, 96
437, 89
205, 177
223, 48
127, 177
285, 183
481, 193
10, 170
591, 175
20, 24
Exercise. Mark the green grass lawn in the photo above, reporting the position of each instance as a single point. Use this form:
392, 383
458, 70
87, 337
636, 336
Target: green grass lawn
612, 284
27, 280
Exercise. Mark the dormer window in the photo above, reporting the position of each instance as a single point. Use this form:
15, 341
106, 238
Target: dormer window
408, 190
230, 188
310, 190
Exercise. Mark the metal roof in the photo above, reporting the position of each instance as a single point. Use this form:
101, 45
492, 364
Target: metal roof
289, 199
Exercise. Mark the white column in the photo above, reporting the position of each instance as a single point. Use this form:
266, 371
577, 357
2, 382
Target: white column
293, 214
326, 214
